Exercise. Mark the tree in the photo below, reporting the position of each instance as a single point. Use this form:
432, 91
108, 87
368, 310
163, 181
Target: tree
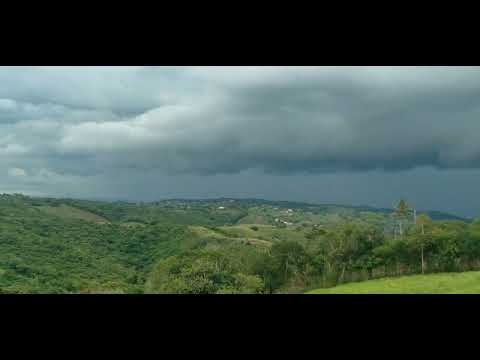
392, 253
402, 208
285, 260
268, 269
470, 248
423, 240
402, 212
291, 258
200, 272
248, 284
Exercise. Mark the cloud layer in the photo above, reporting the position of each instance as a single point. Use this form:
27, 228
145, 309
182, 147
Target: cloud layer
78, 123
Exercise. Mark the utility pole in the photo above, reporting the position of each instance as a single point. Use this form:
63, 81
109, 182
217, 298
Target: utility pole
415, 216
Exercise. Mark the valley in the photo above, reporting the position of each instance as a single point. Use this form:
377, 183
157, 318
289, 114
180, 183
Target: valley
224, 246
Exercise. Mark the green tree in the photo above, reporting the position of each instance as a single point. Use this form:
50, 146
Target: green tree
470, 249
423, 240
267, 268
284, 261
402, 212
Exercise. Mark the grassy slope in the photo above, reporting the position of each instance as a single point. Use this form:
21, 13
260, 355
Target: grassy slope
222, 237
265, 232
445, 283
65, 211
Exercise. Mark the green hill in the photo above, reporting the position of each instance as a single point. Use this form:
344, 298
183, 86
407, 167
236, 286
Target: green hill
66, 246
445, 283
212, 246
70, 212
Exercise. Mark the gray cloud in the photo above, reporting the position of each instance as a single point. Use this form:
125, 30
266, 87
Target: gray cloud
66, 126
291, 120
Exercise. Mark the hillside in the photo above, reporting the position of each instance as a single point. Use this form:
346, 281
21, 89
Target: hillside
52, 246
210, 246
449, 283
70, 212
218, 212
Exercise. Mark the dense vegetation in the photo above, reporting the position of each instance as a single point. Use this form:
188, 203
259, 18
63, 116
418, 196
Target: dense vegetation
219, 246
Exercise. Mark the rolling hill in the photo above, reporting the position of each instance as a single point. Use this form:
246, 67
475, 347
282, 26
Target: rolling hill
52, 245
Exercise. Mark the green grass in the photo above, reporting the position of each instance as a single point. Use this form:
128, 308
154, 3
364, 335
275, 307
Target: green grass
244, 237
264, 232
445, 283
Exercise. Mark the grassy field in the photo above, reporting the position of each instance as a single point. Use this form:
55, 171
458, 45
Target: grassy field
445, 283
245, 237
264, 232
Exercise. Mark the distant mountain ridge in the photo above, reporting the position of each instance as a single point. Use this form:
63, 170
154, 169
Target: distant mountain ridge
433, 214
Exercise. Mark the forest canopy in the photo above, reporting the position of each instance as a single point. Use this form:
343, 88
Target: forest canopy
223, 246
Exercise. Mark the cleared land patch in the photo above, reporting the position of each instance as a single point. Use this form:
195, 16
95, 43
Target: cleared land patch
245, 237
264, 232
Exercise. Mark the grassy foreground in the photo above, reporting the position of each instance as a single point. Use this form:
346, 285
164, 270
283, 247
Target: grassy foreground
445, 283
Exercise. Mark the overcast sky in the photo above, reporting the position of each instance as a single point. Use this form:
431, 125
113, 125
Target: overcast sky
348, 135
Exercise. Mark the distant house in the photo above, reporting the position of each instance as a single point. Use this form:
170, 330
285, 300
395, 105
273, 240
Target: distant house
221, 208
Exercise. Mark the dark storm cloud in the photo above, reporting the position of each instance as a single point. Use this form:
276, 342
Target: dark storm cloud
299, 120
85, 129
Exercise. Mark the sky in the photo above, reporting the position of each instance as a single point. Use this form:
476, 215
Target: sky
345, 135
